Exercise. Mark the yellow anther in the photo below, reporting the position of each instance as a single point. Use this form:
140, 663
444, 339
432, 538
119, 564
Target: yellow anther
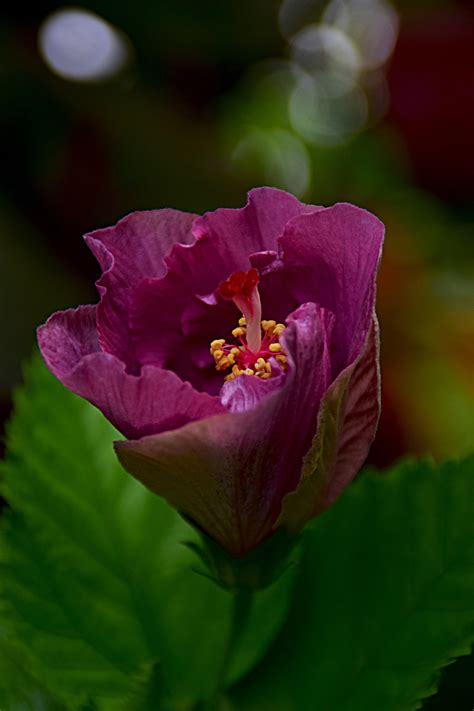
223, 363
268, 325
239, 331
217, 344
227, 356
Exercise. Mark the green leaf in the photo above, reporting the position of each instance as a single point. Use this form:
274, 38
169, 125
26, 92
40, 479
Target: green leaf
19, 690
148, 691
95, 579
385, 597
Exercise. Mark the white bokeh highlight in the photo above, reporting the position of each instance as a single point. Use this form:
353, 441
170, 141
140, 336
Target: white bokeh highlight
372, 24
78, 45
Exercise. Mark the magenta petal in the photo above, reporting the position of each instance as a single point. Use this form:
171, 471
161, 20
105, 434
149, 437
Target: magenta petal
226, 239
358, 419
155, 401
339, 248
347, 424
253, 228
67, 337
128, 252
229, 473
246, 391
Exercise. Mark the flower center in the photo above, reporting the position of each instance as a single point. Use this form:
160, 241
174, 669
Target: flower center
255, 355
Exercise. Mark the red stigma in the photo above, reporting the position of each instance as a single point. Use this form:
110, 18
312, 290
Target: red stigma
239, 284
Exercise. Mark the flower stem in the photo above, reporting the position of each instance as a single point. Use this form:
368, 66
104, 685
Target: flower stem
241, 607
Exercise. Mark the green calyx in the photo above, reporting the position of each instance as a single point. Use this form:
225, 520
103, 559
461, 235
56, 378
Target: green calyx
255, 570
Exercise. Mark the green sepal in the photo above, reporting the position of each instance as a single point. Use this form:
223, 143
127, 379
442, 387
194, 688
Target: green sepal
256, 570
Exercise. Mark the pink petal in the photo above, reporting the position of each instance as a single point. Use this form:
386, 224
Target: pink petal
253, 228
230, 472
226, 239
358, 419
129, 252
347, 425
67, 337
338, 248
154, 401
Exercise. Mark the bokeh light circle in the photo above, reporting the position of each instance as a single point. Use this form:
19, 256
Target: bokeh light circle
79, 45
372, 25
324, 116
323, 48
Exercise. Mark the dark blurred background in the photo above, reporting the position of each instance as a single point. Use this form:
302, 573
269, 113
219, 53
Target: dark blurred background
113, 106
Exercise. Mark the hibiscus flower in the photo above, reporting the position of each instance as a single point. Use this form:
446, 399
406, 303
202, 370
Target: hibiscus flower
237, 352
